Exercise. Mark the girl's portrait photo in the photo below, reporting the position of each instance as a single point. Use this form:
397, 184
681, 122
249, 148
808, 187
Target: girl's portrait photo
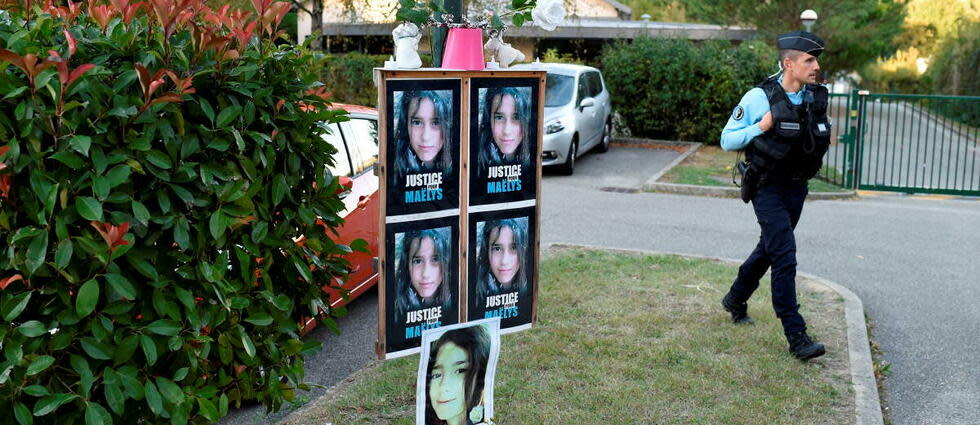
503, 256
505, 113
420, 281
424, 124
502, 270
421, 145
503, 140
455, 382
423, 270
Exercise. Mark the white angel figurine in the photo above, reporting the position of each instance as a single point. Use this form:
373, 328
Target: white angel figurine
407, 37
502, 52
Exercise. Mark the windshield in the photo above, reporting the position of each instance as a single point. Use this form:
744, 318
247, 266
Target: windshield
559, 90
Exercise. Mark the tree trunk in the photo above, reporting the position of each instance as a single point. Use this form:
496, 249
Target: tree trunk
455, 8
956, 78
316, 26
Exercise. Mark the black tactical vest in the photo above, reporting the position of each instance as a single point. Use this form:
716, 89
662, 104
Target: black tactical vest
795, 145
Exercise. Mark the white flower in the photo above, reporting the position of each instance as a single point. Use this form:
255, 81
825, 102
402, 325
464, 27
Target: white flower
53, 331
406, 30
548, 14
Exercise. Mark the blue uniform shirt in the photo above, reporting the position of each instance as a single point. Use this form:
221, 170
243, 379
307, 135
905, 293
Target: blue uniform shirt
743, 125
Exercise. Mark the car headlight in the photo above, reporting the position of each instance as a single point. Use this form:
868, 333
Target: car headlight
553, 127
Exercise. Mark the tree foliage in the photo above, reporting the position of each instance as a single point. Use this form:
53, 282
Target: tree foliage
676, 89
956, 71
956, 67
160, 164
937, 51
356, 71
856, 31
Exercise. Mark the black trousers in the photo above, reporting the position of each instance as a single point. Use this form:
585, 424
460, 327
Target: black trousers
777, 204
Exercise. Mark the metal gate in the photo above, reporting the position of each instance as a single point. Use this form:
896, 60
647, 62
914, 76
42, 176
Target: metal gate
905, 143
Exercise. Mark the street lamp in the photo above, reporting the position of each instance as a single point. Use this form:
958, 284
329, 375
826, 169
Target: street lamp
808, 17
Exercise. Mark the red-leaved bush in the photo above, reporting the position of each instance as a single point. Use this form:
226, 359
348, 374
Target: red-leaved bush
158, 162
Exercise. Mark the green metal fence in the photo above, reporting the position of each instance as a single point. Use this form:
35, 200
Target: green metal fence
838, 163
905, 143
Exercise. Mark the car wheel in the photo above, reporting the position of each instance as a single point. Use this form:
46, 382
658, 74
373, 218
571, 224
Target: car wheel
569, 166
606, 138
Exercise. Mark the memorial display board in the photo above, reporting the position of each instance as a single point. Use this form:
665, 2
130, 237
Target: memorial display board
460, 184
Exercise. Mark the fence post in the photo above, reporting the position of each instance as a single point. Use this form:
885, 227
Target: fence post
847, 140
860, 99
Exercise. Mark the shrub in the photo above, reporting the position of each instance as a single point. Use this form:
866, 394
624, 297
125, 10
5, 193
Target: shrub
158, 160
898, 74
552, 56
354, 74
675, 89
955, 70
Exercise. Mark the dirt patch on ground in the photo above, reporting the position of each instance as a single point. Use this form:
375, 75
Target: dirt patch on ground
675, 148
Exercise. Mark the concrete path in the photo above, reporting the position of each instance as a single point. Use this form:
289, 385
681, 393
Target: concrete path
621, 167
912, 261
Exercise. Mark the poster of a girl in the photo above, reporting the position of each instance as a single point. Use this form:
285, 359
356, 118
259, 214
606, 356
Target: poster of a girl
423, 129
505, 114
423, 271
503, 257
456, 376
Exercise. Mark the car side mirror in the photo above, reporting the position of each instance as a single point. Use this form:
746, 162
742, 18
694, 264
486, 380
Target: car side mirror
587, 102
346, 184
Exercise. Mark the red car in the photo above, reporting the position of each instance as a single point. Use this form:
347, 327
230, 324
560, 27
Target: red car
357, 152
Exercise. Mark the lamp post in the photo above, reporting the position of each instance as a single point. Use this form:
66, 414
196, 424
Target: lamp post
808, 17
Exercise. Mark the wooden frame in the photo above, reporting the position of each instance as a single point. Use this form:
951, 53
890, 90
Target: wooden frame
384, 79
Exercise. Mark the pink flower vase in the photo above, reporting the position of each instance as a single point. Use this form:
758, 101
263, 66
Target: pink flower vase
464, 49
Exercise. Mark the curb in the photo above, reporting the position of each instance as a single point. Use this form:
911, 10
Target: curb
729, 192
652, 185
867, 404
690, 150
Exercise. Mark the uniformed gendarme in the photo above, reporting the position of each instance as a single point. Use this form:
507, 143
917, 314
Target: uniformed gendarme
782, 127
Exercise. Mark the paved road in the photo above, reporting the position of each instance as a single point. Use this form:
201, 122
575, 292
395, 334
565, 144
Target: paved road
912, 261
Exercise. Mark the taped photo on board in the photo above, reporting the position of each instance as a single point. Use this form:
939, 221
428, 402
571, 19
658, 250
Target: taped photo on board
423, 145
503, 140
421, 281
456, 374
502, 268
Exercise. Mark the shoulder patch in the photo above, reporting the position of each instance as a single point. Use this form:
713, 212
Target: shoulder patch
738, 113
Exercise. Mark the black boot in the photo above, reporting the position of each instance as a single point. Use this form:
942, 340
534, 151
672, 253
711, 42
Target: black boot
803, 347
739, 311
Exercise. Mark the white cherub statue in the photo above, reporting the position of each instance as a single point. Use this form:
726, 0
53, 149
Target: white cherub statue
502, 52
407, 37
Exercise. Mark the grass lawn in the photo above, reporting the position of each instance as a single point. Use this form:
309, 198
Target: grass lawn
627, 338
712, 166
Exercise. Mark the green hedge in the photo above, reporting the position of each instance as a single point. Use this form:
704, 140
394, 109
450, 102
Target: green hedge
154, 172
353, 73
676, 89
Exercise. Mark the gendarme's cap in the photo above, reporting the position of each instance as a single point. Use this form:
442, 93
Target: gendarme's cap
803, 41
